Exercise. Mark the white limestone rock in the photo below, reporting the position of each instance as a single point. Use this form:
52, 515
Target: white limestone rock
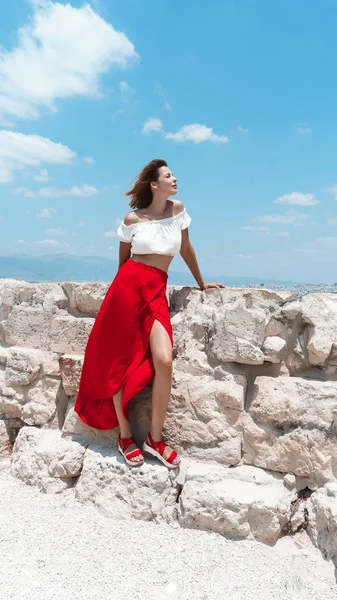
74, 426
148, 492
70, 334
85, 297
43, 458
29, 327
273, 349
289, 427
319, 312
243, 502
24, 365
226, 325
204, 417
5, 440
323, 520
70, 368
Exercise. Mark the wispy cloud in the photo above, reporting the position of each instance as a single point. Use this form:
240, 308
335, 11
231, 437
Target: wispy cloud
331, 189
327, 240
18, 150
57, 231
46, 213
196, 133
81, 191
89, 160
48, 62
152, 125
303, 128
290, 216
332, 221
127, 92
160, 91
76, 190
297, 198
54, 243
241, 129
43, 175
255, 228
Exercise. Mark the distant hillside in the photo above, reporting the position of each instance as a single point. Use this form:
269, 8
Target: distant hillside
66, 267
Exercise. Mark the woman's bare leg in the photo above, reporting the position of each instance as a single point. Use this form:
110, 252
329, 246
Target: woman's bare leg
124, 424
161, 350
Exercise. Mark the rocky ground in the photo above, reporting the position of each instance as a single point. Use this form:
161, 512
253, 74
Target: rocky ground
54, 548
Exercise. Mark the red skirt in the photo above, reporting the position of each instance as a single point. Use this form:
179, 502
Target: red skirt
118, 352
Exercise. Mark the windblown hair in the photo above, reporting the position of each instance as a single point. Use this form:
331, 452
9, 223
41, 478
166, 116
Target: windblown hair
141, 193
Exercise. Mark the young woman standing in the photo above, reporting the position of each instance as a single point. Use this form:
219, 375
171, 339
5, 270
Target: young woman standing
131, 340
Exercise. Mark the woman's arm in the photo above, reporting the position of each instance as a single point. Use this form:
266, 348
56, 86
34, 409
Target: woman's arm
188, 254
124, 253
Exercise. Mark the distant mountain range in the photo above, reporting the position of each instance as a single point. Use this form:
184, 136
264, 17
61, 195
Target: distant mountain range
66, 267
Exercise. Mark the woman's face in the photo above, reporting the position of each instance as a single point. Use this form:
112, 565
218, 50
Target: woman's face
166, 182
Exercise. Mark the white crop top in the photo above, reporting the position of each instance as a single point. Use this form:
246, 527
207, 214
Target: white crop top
162, 236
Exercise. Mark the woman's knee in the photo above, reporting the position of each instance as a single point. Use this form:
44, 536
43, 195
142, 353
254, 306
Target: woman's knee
163, 363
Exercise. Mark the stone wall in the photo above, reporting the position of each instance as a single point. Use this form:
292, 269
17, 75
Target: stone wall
253, 410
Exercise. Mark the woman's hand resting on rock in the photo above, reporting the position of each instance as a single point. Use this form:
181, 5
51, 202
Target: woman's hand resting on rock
207, 286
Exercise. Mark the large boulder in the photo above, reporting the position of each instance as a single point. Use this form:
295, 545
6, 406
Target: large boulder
243, 502
43, 458
148, 492
291, 426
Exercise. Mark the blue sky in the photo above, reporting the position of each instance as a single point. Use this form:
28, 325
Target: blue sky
238, 97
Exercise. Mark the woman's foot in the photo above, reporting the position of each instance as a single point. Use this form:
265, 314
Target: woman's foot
162, 451
131, 453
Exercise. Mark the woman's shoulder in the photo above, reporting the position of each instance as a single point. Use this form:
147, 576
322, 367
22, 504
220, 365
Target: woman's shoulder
131, 218
178, 207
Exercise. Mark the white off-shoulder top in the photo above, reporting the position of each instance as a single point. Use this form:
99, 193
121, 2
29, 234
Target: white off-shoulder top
162, 236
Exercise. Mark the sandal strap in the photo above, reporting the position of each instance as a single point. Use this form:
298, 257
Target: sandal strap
160, 447
133, 454
125, 442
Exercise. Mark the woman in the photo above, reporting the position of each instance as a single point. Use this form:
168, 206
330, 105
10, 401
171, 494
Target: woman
131, 340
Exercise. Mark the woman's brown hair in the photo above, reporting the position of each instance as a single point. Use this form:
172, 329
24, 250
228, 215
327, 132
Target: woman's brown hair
141, 193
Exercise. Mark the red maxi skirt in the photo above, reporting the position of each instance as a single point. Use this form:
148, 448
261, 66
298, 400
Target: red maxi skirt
118, 353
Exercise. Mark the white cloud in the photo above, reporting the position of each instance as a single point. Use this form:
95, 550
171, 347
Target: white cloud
241, 129
60, 52
19, 242
332, 221
56, 231
282, 234
82, 223
332, 189
255, 228
52, 192
127, 92
290, 216
42, 176
297, 198
55, 243
303, 128
75, 190
110, 234
244, 256
327, 240
152, 125
89, 160
160, 91
18, 150
196, 133
46, 213
23, 191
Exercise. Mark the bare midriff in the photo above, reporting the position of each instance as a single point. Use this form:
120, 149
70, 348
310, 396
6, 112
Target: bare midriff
160, 261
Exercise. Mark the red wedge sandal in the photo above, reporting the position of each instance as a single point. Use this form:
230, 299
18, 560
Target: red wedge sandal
157, 450
123, 445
